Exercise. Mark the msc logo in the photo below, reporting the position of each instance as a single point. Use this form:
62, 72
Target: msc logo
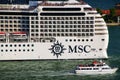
79, 49
57, 49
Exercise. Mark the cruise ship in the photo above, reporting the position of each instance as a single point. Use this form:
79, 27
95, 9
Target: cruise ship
46, 30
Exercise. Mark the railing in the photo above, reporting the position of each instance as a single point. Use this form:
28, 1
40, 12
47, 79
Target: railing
61, 4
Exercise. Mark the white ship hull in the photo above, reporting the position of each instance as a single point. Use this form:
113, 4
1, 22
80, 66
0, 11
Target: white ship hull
96, 72
70, 50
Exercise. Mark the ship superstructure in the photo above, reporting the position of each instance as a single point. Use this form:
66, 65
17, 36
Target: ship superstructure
52, 30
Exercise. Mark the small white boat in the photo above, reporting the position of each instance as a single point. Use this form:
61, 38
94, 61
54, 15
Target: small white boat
95, 68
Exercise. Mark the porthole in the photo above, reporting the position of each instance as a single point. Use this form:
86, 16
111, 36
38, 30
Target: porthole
10, 50
1, 45
87, 40
24, 50
10, 45
66, 40
6, 50
15, 50
82, 40
28, 50
32, 49
6, 45
32, 45
19, 45
100, 49
23, 45
1, 50
70, 40
103, 39
19, 50
91, 40
28, 45
78, 39
74, 40
15, 45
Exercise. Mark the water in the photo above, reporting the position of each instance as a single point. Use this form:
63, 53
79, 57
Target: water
61, 69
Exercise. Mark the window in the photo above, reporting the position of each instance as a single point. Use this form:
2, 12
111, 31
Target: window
87, 40
23, 45
95, 68
66, 34
32, 45
58, 34
78, 39
1, 50
91, 26
83, 40
100, 49
6, 50
87, 34
83, 34
19, 45
15, 45
66, 40
15, 50
2, 45
75, 34
28, 50
91, 40
6, 45
10, 45
91, 34
70, 40
74, 40
50, 34
91, 30
54, 34
10, 50
103, 39
32, 50
19, 50
28, 45
23, 50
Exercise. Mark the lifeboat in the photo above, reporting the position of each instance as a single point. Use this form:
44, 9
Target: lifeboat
19, 35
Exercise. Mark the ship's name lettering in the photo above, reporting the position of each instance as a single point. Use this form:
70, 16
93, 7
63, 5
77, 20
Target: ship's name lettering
79, 49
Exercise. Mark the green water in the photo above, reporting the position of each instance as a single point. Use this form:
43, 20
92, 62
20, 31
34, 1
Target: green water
61, 69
